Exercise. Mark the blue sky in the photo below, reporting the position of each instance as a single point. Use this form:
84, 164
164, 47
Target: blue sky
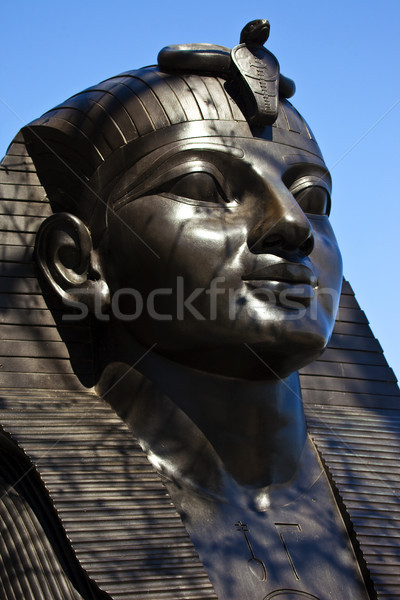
343, 56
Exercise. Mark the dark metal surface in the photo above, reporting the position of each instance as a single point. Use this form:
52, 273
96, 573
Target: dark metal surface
353, 416
195, 170
115, 510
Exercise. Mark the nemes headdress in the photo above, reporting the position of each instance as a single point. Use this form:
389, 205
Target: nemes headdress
85, 143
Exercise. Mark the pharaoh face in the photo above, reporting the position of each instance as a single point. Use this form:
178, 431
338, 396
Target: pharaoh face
219, 245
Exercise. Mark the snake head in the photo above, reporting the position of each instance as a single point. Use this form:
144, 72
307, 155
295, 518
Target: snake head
255, 32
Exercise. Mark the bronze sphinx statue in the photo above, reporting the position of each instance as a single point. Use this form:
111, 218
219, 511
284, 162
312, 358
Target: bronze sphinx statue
190, 227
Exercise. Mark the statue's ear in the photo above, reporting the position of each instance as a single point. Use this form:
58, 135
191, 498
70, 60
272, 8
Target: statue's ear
65, 255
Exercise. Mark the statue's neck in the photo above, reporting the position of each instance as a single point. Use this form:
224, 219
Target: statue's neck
205, 429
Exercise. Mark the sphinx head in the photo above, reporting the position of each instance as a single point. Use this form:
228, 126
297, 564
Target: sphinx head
191, 207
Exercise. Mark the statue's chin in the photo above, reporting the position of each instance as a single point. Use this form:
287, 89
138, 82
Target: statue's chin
250, 361
271, 351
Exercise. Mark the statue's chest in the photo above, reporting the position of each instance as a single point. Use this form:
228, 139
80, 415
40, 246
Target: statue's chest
298, 550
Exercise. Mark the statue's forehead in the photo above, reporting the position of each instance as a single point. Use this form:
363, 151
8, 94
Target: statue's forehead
228, 136
252, 150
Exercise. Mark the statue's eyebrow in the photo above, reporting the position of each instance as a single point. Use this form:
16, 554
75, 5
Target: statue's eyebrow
306, 159
145, 168
181, 161
202, 146
311, 162
296, 157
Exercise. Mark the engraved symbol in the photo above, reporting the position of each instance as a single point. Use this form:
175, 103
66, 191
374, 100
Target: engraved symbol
295, 525
256, 566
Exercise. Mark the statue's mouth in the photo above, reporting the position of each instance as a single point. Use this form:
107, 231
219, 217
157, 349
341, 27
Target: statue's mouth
285, 271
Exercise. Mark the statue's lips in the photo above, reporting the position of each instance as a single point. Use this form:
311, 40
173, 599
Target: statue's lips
284, 271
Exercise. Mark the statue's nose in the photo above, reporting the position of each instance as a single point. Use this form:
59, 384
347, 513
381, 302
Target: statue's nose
280, 224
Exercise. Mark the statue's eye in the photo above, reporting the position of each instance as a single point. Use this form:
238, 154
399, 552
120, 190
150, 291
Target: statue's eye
199, 186
314, 200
